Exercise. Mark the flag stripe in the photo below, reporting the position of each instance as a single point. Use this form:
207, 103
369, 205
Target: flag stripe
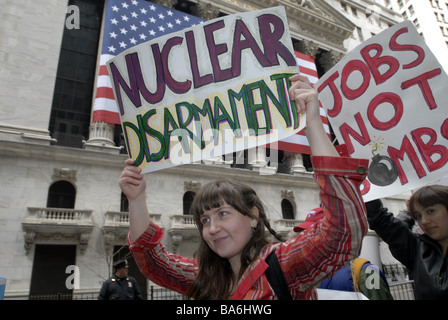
298, 143
103, 71
106, 93
104, 82
107, 116
107, 105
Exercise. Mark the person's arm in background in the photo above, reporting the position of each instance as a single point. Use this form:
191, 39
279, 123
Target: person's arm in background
393, 231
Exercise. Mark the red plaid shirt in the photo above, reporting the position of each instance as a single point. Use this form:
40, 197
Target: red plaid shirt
305, 260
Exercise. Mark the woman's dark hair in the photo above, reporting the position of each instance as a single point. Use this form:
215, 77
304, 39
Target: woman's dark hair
427, 196
215, 278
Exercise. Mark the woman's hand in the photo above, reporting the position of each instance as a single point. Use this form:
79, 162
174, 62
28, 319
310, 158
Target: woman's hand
306, 99
132, 182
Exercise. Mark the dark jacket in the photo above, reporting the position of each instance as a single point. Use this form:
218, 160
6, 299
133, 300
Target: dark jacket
419, 253
115, 288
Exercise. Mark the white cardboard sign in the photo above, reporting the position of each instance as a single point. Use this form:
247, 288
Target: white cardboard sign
387, 100
213, 89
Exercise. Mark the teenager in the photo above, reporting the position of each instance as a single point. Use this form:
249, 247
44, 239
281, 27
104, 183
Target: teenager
425, 255
231, 259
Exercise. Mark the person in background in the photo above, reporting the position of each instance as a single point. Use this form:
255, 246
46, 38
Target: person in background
120, 286
425, 255
359, 275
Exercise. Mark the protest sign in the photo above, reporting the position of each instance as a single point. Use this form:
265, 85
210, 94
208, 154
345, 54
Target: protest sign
213, 89
387, 101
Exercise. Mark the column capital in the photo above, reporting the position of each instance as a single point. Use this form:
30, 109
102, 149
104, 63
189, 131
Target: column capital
205, 11
307, 47
165, 3
330, 58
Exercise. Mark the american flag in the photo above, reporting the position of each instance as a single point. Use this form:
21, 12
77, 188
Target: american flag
298, 143
130, 22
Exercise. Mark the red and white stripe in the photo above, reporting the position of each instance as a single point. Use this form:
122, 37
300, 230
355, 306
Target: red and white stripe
298, 143
104, 105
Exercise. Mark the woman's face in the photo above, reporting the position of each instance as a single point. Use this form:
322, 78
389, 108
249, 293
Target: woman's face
434, 222
227, 231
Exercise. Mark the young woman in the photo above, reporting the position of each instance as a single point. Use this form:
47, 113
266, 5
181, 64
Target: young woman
230, 262
425, 255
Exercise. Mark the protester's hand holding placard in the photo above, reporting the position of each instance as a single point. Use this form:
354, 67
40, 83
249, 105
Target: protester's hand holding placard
212, 89
387, 100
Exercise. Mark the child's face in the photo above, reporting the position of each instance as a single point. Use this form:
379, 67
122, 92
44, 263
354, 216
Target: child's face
433, 220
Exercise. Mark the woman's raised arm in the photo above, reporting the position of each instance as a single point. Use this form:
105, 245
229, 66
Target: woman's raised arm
306, 99
133, 184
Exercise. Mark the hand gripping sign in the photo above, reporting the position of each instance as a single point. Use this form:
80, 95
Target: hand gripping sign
387, 101
209, 90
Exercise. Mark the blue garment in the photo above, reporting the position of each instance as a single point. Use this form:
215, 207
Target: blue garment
341, 280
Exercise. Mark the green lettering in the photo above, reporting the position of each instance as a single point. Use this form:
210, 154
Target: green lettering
206, 110
168, 121
143, 150
183, 124
154, 133
283, 85
254, 108
242, 95
221, 115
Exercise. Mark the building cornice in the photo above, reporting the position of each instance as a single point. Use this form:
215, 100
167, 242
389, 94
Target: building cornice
313, 20
78, 156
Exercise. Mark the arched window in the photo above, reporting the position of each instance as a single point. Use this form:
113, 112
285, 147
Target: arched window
124, 203
287, 209
187, 201
62, 194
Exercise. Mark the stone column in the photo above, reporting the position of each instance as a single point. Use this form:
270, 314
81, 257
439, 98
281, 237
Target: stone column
101, 138
257, 159
295, 162
371, 249
176, 241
